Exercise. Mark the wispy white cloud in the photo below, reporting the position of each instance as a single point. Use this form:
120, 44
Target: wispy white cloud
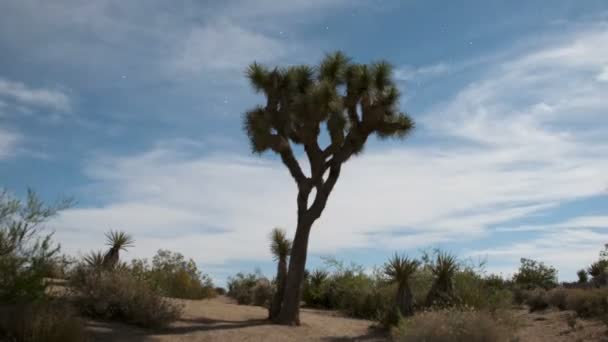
33, 97
534, 128
9, 141
407, 73
225, 46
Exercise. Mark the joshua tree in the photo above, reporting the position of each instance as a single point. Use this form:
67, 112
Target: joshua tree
352, 101
442, 291
117, 241
399, 269
280, 246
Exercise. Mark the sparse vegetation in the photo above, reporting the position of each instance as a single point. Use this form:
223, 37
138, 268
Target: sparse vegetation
455, 326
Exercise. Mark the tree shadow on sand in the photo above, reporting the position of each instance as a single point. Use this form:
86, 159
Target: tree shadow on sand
105, 331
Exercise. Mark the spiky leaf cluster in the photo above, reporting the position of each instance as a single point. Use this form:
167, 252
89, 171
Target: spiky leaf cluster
444, 267
280, 245
118, 240
94, 259
352, 100
400, 268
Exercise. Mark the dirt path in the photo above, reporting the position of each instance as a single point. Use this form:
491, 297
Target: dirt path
220, 319
552, 326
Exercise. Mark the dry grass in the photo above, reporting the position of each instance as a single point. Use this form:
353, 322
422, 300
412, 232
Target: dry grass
41, 322
456, 326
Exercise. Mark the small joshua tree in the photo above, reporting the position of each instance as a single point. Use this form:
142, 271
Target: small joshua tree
352, 101
399, 269
442, 291
117, 241
280, 246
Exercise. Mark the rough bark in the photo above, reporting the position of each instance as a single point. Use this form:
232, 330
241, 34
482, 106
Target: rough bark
290, 310
277, 300
405, 300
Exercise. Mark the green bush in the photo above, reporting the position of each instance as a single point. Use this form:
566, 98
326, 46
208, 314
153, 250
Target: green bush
455, 326
119, 295
475, 291
45, 321
26, 254
174, 276
533, 274
242, 287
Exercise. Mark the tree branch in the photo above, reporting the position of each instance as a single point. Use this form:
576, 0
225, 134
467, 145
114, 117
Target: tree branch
281, 146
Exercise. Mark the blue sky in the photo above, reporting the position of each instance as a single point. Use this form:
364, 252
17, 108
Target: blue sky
134, 109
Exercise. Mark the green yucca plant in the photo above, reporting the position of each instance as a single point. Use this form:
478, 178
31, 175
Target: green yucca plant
117, 240
399, 269
94, 260
280, 246
318, 277
442, 291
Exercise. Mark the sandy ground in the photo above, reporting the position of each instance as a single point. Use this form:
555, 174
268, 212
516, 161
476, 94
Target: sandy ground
219, 319
552, 326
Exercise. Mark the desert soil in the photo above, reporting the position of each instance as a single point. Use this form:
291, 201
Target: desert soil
220, 319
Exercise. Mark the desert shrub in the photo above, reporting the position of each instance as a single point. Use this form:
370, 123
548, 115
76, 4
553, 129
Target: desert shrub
355, 293
177, 277
557, 298
475, 291
26, 253
533, 274
582, 276
262, 293
588, 302
314, 292
455, 326
536, 299
45, 321
241, 287
118, 295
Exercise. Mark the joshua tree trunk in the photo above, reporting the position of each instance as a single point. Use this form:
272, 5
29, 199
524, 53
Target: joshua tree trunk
277, 300
405, 300
290, 310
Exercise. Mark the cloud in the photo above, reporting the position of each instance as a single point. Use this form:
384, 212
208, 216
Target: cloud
225, 46
23, 95
8, 142
408, 73
582, 222
525, 137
